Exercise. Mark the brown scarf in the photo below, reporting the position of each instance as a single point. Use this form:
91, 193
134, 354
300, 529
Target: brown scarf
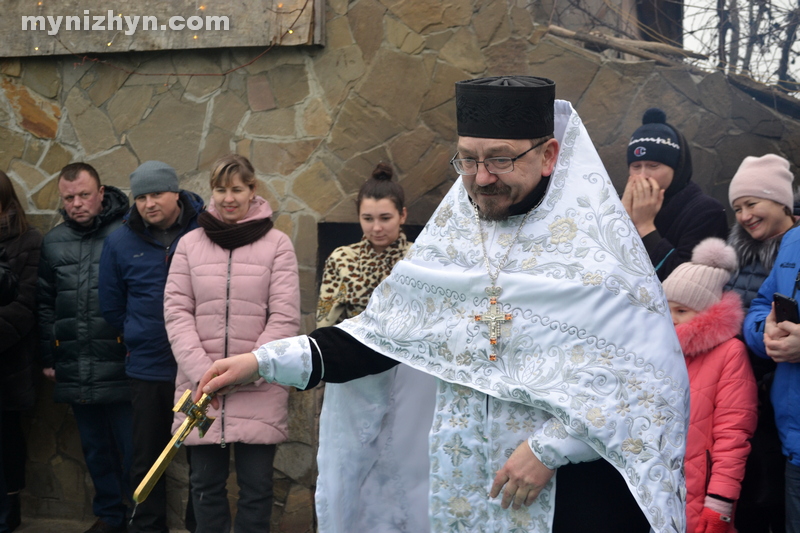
232, 236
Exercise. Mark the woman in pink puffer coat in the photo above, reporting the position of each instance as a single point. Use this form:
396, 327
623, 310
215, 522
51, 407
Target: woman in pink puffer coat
232, 286
723, 390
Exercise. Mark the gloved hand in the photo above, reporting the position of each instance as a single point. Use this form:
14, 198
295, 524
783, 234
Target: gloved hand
716, 516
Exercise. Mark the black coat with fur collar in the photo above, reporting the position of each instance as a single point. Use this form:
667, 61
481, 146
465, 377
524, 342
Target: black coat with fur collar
755, 261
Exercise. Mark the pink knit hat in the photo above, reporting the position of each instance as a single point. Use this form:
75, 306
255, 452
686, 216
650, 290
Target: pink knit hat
698, 284
767, 177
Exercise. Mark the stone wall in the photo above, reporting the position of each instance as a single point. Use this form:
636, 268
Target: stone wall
314, 122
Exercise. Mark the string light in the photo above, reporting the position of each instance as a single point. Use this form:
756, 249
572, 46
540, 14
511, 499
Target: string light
36, 48
86, 58
202, 8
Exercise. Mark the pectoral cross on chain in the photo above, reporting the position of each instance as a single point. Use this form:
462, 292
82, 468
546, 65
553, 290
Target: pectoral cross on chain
494, 317
195, 417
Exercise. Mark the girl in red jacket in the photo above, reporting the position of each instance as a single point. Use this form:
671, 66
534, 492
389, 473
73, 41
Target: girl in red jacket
723, 389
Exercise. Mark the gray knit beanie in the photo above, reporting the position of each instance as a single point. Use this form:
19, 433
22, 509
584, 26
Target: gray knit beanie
153, 176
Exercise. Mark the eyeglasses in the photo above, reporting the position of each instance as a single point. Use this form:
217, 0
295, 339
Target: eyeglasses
495, 165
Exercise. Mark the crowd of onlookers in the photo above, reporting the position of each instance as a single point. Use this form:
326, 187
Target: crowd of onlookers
124, 307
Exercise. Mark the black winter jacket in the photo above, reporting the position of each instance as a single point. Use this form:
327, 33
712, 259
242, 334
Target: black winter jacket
18, 333
87, 353
8, 280
755, 262
686, 219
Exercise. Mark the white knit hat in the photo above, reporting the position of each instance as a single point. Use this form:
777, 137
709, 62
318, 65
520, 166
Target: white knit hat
698, 284
767, 177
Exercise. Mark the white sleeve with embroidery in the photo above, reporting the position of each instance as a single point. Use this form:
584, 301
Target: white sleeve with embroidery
555, 447
286, 361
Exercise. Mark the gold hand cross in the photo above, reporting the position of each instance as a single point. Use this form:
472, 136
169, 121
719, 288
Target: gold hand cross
195, 416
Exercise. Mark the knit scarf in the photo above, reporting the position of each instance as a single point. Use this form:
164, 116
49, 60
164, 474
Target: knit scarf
232, 236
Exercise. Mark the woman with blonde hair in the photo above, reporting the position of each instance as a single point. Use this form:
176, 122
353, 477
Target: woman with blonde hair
232, 286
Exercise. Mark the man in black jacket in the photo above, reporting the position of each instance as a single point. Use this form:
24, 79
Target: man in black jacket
81, 352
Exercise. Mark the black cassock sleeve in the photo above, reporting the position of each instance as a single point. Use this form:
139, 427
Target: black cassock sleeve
343, 357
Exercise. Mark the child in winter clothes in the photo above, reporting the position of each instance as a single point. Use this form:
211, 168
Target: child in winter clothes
723, 390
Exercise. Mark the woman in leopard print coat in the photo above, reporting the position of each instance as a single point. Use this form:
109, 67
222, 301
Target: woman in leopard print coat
357, 501
352, 272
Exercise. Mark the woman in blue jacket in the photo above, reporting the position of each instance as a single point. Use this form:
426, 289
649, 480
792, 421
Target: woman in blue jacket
761, 196
781, 343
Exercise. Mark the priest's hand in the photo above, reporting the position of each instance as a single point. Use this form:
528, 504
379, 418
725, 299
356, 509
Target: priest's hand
642, 200
781, 340
523, 476
225, 375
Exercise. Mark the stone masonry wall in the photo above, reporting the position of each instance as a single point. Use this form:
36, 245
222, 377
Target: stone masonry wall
314, 122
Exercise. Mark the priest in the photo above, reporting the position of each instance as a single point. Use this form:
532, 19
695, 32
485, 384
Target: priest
561, 399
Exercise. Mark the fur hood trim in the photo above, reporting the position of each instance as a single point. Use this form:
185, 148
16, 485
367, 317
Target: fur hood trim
717, 324
750, 250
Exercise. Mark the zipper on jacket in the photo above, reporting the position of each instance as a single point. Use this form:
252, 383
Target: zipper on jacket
222, 421
225, 347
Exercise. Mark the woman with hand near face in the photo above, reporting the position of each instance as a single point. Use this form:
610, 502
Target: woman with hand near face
762, 198
233, 285
670, 212
387, 495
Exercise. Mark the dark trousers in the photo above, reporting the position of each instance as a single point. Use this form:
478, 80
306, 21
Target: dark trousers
106, 440
12, 475
152, 425
210, 467
792, 498
14, 451
594, 497
761, 507
5, 503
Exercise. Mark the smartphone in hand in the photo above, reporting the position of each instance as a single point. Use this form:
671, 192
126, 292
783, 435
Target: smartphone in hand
785, 309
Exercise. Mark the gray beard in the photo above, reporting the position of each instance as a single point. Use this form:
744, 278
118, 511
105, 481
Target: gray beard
493, 216
492, 213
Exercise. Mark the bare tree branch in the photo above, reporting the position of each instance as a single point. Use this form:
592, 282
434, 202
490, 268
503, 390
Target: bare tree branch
606, 42
722, 27
734, 42
753, 32
784, 80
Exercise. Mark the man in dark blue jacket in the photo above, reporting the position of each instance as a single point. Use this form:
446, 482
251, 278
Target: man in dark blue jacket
133, 274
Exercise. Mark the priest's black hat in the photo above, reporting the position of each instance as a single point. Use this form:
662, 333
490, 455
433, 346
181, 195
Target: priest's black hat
505, 107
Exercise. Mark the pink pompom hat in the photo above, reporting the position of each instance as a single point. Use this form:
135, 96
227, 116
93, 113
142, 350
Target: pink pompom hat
698, 284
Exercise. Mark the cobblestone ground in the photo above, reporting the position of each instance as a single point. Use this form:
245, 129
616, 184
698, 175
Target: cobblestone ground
43, 525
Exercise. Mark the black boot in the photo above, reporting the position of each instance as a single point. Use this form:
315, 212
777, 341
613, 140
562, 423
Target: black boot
14, 513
